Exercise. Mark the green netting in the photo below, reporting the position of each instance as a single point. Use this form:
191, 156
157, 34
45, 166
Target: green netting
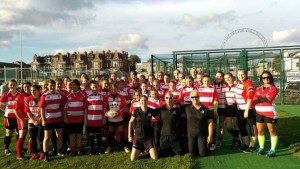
281, 61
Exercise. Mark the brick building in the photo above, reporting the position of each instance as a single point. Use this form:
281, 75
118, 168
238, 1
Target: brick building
76, 63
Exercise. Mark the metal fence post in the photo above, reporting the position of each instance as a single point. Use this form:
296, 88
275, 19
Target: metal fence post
208, 63
4, 73
152, 65
282, 76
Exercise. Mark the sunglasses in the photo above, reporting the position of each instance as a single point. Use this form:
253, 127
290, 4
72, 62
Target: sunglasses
168, 97
267, 77
194, 97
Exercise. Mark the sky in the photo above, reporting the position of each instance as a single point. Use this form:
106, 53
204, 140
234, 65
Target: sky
141, 27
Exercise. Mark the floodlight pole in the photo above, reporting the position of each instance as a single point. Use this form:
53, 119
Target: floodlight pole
21, 53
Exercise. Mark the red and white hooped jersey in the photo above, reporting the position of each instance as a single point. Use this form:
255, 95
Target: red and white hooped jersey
179, 86
154, 104
53, 105
176, 94
20, 105
161, 94
197, 85
8, 100
125, 94
75, 107
243, 92
266, 109
185, 95
130, 91
104, 93
116, 103
134, 105
149, 87
207, 96
32, 106
229, 94
221, 90
165, 87
95, 110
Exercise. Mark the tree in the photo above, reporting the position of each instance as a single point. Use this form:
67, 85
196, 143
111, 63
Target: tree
276, 64
133, 60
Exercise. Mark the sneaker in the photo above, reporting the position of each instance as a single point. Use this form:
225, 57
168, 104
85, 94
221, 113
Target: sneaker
60, 154
42, 156
20, 158
219, 143
7, 152
91, 152
80, 152
46, 159
107, 150
260, 151
126, 149
271, 153
33, 157
72, 154
211, 146
54, 152
250, 149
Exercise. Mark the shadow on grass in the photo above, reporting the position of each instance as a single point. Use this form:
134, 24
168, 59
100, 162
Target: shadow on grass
289, 133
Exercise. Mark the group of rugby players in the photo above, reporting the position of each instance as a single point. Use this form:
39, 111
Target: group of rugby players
159, 115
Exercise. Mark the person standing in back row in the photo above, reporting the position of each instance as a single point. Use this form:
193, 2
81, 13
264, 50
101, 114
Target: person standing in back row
244, 91
264, 99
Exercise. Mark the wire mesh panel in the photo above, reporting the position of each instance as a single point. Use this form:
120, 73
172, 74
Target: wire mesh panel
281, 61
162, 63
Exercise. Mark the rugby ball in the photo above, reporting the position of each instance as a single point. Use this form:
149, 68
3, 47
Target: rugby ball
112, 113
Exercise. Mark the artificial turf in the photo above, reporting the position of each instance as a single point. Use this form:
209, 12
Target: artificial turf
288, 129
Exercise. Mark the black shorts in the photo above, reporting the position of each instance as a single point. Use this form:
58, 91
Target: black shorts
94, 129
251, 113
171, 142
264, 119
114, 124
143, 145
221, 111
10, 123
51, 126
231, 111
75, 128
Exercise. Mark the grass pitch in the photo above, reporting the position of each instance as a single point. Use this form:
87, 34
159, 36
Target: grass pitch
288, 153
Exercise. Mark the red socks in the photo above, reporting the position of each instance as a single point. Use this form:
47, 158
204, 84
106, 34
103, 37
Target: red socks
19, 146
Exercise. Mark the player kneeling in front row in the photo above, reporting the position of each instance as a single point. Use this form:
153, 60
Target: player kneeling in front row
143, 136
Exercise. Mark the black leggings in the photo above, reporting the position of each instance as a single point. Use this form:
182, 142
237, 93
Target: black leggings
35, 132
197, 143
243, 122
